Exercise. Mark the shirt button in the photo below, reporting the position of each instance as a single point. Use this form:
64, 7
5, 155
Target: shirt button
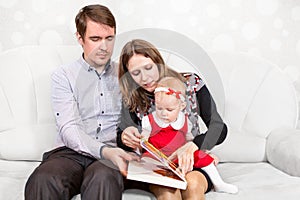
96, 137
102, 112
98, 130
101, 94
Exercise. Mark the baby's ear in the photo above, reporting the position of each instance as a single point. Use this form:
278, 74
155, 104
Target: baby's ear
182, 105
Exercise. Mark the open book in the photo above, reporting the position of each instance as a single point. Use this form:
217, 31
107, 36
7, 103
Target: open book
160, 170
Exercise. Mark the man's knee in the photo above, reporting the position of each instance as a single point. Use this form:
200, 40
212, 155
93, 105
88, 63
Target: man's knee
102, 172
38, 178
102, 182
44, 181
40, 185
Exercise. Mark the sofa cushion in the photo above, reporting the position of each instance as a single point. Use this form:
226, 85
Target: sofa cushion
27, 142
27, 127
257, 181
13, 176
259, 98
283, 150
6, 117
241, 146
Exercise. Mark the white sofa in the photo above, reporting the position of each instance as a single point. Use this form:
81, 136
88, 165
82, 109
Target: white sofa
260, 154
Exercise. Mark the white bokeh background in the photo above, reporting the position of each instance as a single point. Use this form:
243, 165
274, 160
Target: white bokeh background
265, 28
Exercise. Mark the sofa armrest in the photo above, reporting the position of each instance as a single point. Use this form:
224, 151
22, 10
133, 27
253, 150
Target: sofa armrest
283, 150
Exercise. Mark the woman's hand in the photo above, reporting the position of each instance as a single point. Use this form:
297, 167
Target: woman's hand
131, 137
185, 156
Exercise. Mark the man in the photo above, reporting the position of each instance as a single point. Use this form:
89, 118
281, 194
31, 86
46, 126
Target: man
86, 102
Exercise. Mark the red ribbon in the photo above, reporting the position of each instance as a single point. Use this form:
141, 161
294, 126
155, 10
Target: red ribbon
171, 91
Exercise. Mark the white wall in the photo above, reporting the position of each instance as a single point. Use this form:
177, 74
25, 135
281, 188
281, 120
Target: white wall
267, 28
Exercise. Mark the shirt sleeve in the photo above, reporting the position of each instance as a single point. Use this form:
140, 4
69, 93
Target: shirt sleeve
146, 127
189, 135
68, 121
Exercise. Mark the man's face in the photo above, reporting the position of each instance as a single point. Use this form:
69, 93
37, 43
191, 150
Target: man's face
98, 43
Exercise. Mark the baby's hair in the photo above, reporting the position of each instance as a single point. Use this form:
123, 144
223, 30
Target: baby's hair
173, 83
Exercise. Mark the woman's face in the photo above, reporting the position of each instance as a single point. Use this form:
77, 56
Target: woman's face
143, 71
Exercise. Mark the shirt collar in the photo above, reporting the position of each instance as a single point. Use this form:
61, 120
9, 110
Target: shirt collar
89, 68
178, 124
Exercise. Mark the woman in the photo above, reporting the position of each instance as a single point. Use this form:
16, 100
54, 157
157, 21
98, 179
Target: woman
141, 66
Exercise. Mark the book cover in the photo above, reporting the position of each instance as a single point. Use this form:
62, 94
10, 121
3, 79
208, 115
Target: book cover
160, 170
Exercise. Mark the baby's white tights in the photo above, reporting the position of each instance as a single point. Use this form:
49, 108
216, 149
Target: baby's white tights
219, 184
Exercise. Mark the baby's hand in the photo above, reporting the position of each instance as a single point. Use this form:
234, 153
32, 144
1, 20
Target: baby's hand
216, 159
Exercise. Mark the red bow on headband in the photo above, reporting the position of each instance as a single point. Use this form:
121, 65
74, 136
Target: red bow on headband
171, 91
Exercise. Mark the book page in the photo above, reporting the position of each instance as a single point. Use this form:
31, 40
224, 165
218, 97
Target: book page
162, 158
152, 171
158, 170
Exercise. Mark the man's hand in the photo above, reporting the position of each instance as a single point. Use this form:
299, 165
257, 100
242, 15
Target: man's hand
131, 137
119, 158
185, 156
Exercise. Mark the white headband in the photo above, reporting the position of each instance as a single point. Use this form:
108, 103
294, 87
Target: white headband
170, 91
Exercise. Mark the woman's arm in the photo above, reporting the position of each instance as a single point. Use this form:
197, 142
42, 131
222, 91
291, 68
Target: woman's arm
217, 129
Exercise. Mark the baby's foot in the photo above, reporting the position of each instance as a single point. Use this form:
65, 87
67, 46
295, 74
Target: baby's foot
226, 187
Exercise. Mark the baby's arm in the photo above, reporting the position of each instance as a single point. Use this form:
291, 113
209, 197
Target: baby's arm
146, 127
146, 130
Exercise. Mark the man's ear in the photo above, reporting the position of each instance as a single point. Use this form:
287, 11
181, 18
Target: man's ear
79, 39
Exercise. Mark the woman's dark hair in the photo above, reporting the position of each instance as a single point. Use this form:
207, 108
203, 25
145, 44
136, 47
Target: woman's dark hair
135, 96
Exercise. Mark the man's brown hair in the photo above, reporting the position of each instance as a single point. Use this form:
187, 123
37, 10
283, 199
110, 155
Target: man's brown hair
96, 13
